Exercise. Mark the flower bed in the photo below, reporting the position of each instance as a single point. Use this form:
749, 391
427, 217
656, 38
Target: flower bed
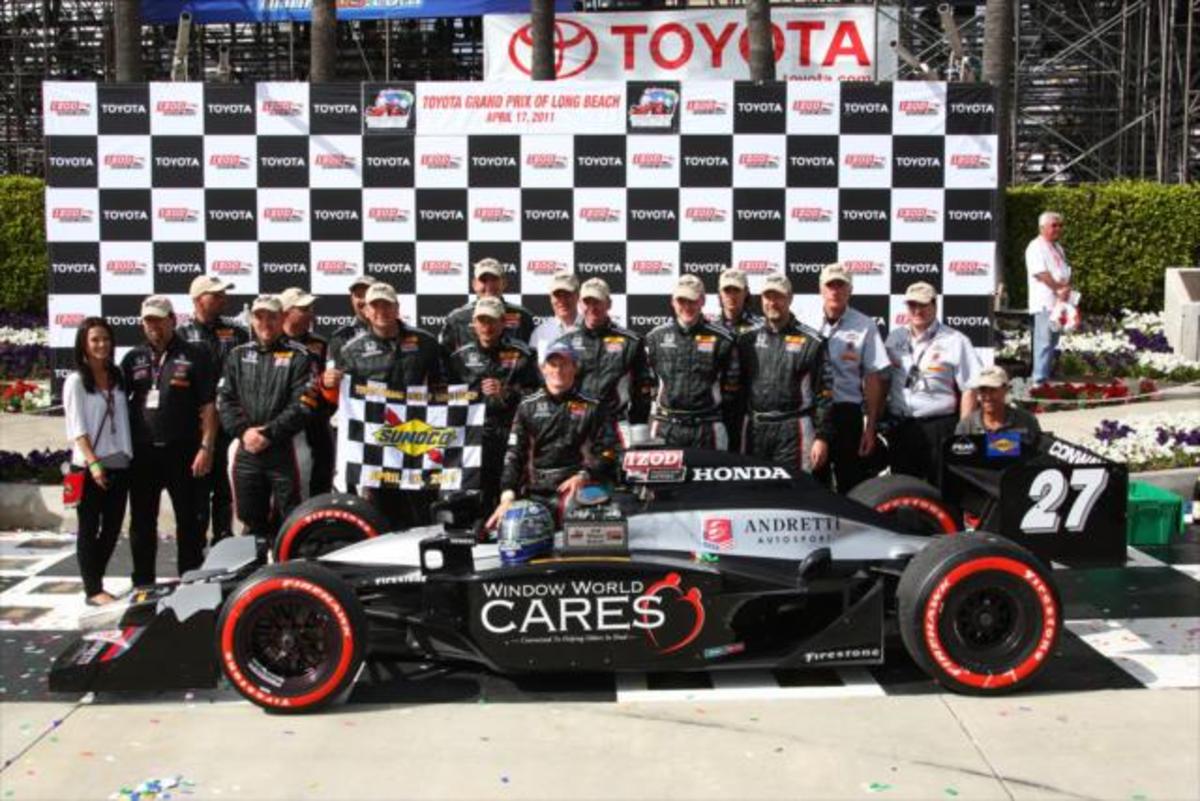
37, 467
1154, 442
24, 347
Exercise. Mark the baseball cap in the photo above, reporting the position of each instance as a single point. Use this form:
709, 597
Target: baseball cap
157, 306
993, 376
489, 307
734, 277
488, 267
688, 287
295, 296
266, 303
777, 282
381, 291
206, 284
594, 288
560, 348
920, 292
835, 272
363, 281
564, 281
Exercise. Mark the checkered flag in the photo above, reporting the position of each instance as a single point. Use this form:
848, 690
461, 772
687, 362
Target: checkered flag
408, 439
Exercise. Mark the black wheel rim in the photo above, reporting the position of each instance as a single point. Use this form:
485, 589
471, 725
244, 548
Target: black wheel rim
917, 521
320, 540
289, 643
990, 622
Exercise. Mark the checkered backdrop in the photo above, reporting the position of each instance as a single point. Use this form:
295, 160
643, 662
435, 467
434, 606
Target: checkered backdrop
281, 184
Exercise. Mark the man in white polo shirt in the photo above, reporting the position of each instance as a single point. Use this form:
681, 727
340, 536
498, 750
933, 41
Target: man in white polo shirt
1049, 278
859, 365
933, 368
564, 303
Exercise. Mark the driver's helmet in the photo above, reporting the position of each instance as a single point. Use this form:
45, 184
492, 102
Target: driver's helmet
1064, 317
526, 531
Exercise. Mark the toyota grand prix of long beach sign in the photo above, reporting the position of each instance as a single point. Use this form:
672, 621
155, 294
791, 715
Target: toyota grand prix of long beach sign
835, 43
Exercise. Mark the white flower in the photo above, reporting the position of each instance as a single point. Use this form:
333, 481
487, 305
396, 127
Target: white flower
25, 336
1142, 446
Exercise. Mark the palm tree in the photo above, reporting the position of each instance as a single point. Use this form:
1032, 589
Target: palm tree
542, 34
762, 42
998, 70
127, 35
323, 52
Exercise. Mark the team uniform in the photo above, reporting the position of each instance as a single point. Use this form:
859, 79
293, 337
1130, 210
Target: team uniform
220, 337
513, 364
735, 409
612, 369
785, 375
342, 336
855, 350
270, 386
318, 433
457, 331
929, 373
695, 372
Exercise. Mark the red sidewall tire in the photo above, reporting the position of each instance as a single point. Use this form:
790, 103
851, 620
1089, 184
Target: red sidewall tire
342, 517
900, 496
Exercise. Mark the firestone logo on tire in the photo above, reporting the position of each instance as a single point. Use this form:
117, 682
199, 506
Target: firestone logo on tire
570, 38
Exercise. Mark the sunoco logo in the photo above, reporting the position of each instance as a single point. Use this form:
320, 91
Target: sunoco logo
759, 108
705, 161
387, 214
970, 161
545, 266
282, 108
230, 266
335, 161
388, 161
972, 108
70, 108
176, 108
546, 161
73, 267
651, 266
125, 215
862, 267
863, 161
706, 108
705, 214
599, 214
864, 215
335, 108
440, 161
336, 267
71, 214
919, 108
176, 214
865, 108
968, 267
415, 437
122, 108
228, 161
282, 214
652, 161
284, 267
973, 321
758, 161
600, 161
757, 266
916, 214
335, 215
812, 161
124, 267
440, 267
123, 161
812, 108
810, 214
493, 161
914, 268
918, 161
758, 215
494, 214
441, 215
651, 215
972, 215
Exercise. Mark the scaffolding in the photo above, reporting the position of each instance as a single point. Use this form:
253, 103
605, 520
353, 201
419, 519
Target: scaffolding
1102, 88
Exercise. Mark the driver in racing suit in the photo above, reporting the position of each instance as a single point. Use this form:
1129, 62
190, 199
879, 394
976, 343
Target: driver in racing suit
264, 401
789, 385
560, 440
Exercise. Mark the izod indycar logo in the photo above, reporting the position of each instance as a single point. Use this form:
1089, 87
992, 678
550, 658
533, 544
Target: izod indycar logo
968, 267
70, 108
863, 267
440, 161
414, 437
758, 161
652, 161
123, 161
546, 161
757, 266
668, 615
282, 108
71, 214
545, 266
68, 320
864, 161
282, 214
652, 266
387, 214
178, 214
335, 161
706, 108
440, 267
812, 108
230, 267
494, 214
704, 214
176, 108
916, 214
124, 267
919, 108
228, 161
811, 214
599, 214
337, 267
970, 161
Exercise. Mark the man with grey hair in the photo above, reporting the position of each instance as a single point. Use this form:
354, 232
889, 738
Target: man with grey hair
564, 303
1049, 281
488, 283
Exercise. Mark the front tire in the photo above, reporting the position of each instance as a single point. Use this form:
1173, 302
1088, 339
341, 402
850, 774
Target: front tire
978, 613
326, 523
291, 638
916, 506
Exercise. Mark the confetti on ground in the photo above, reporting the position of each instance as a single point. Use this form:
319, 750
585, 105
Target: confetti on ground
950, 791
504, 780
877, 787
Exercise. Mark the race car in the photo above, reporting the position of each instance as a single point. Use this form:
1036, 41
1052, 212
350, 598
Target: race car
695, 560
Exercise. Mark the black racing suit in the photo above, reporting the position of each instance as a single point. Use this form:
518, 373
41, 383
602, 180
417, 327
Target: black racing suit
513, 363
612, 368
341, 337
213, 491
735, 409
555, 437
318, 432
269, 386
789, 389
696, 378
410, 359
457, 331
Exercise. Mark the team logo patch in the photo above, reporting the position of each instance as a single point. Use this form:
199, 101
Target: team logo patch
1003, 444
415, 437
718, 533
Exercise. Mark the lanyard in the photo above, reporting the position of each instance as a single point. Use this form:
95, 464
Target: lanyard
918, 356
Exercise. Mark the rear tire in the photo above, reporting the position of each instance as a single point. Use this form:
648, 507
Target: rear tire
917, 506
291, 638
978, 613
326, 523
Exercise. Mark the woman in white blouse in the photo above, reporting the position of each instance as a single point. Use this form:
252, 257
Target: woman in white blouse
97, 415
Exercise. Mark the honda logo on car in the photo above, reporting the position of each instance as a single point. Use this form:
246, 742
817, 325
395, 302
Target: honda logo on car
740, 474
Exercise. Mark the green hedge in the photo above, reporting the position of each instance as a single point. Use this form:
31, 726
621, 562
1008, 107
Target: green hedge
23, 266
1119, 239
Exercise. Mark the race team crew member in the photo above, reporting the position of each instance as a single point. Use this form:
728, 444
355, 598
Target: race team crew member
564, 303
264, 401
859, 364
994, 415
297, 308
502, 370
173, 426
399, 356
488, 283
358, 304
733, 290
785, 373
220, 335
933, 367
560, 439
612, 363
694, 364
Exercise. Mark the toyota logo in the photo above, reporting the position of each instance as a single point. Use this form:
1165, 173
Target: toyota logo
568, 36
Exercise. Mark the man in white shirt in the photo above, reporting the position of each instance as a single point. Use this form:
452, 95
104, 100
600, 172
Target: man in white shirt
933, 369
564, 301
859, 365
1049, 278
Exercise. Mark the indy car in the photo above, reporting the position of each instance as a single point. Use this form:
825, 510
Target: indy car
694, 560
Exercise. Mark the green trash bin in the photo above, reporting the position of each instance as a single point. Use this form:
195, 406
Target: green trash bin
1155, 515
